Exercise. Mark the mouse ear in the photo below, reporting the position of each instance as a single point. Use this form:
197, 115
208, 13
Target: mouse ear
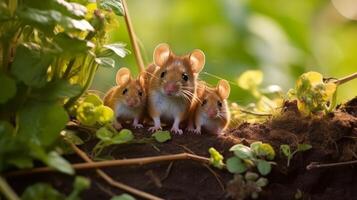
141, 79
161, 54
123, 76
197, 60
223, 89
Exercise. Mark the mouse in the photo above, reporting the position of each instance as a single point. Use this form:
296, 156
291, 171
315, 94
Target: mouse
211, 112
172, 86
127, 98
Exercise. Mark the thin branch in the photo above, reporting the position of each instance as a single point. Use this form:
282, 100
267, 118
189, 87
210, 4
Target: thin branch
114, 163
346, 79
111, 181
7, 191
255, 113
315, 165
133, 38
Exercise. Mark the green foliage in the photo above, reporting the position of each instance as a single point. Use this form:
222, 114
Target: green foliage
257, 155
8, 88
312, 94
216, 158
286, 151
161, 136
123, 197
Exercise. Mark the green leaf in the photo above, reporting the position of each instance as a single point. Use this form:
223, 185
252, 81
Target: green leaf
20, 160
303, 147
56, 161
113, 5
41, 123
118, 48
72, 137
216, 158
251, 176
124, 136
93, 99
105, 62
123, 197
250, 79
235, 165
104, 134
255, 146
242, 151
8, 88
69, 8
162, 136
264, 167
266, 150
30, 65
86, 114
262, 182
81, 183
57, 90
285, 149
104, 114
71, 45
41, 191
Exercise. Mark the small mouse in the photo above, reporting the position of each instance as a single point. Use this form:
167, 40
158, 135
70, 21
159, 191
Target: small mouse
127, 99
211, 111
172, 86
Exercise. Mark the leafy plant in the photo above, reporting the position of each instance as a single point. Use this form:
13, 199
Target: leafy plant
286, 150
161, 136
313, 94
257, 155
216, 158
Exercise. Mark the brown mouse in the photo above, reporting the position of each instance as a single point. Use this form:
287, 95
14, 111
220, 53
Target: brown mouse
211, 111
172, 86
127, 99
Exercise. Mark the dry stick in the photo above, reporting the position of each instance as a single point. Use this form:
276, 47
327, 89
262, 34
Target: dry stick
114, 163
132, 36
6, 190
315, 165
111, 181
346, 79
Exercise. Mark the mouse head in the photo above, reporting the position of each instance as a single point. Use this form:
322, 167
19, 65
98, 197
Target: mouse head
176, 75
214, 100
130, 91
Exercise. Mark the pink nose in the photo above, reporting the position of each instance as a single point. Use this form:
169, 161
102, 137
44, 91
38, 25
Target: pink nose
212, 112
170, 88
131, 102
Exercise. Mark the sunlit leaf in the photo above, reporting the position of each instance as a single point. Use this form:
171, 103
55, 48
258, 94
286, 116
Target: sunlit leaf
104, 114
93, 99
56, 161
71, 45
104, 134
105, 62
81, 183
86, 114
113, 5
264, 167
285, 149
242, 151
250, 79
118, 48
162, 136
124, 136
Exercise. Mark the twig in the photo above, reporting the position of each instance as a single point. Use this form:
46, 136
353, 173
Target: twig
254, 113
315, 165
346, 79
132, 36
111, 181
114, 163
7, 190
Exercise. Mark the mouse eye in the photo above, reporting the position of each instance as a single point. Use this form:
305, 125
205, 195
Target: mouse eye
185, 77
125, 91
163, 74
140, 93
204, 102
219, 104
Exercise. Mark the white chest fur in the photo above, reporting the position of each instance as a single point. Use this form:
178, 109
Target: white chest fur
168, 107
124, 112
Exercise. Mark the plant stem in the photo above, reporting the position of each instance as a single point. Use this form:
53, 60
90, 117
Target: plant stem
114, 163
254, 113
110, 181
7, 190
133, 37
314, 165
346, 79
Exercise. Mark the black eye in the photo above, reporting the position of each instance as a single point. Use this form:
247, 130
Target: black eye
204, 102
219, 104
125, 91
163, 74
185, 77
140, 93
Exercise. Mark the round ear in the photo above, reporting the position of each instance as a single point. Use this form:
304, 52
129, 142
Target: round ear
123, 76
161, 54
197, 60
141, 79
223, 89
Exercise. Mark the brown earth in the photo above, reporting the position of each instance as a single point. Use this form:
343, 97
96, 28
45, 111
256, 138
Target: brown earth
333, 137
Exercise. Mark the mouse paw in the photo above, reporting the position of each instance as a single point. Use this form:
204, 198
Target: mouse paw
177, 131
190, 129
197, 131
154, 129
138, 126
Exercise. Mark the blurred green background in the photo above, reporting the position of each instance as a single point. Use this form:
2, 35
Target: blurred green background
281, 38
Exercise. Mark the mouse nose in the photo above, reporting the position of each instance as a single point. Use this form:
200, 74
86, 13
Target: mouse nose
171, 88
131, 102
211, 112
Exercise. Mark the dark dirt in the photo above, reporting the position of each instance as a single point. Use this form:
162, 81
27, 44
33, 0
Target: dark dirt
333, 137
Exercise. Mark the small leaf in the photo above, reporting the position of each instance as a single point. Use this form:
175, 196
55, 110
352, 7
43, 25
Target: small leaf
255, 146
8, 88
105, 62
56, 161
123, 197
216, 158
81, 183
285, 149
262, 182
242, 151
113, 5
162, 136
72, 137
264, 167
72, 45
104, 134
86, 114
235, 165
41, 191
267, 151
93, 99
251, 176
303, 147
118, 49
104, 114
20, 161
124, 136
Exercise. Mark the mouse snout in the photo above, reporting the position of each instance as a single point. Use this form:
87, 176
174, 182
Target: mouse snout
212, 112
171, 88
132, 102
